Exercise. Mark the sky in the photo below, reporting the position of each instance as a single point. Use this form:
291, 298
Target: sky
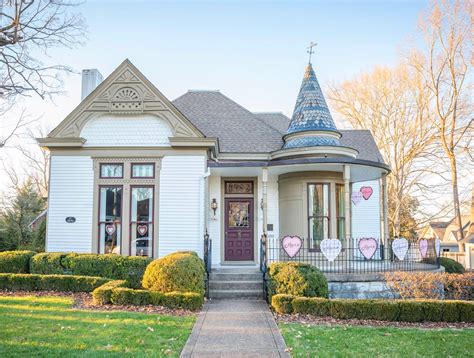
253, 52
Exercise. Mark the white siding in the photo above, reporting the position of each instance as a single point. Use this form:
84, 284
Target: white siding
181, 211
126, 130
366, 214
70, 194
215, 221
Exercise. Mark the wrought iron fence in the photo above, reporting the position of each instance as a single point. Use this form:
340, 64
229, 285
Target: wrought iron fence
355, 257
207, 259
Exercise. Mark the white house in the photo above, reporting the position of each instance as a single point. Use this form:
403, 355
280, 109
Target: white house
134, 173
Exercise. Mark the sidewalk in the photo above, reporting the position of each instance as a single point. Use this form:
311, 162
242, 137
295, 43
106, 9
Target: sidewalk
235, 328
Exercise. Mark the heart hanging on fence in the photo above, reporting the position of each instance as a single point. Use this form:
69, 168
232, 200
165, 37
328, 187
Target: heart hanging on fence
437, 246
110, 229
357, 197
423, 247
142, 229
291, 245
400, 248
366, 192
331, 248
367, 247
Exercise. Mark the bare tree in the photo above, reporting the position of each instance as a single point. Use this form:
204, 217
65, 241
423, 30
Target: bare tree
444, 65
390, 102
29, 28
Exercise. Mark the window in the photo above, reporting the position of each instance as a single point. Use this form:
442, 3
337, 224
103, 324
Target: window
141, 223
110, 220
318, 213
143, 170
340, 212
111, 170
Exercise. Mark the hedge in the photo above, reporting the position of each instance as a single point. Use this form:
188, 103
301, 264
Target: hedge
179, 271
62, 283
117, 267
383, 310
451, 266
295, 278
114, 293
15, 261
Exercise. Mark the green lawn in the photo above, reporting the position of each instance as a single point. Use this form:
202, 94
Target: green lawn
49, 326
341, 341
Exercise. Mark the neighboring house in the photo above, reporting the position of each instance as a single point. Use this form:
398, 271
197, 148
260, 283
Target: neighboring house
134, 173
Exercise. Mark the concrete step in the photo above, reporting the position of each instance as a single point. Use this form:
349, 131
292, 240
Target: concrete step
235, 285
235, 276
237, 294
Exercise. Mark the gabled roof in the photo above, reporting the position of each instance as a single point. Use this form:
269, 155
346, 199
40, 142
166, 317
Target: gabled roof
238, 130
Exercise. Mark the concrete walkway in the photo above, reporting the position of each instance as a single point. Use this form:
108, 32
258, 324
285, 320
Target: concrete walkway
235, 328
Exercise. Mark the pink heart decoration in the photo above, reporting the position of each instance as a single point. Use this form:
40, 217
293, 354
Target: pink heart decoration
291, 245
356, 197
366, 192
331, 248
423, 247
142, 229
110, 229
367, 247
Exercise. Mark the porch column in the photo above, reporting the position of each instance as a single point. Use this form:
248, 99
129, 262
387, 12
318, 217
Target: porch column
264, 199
385, 208
347, 203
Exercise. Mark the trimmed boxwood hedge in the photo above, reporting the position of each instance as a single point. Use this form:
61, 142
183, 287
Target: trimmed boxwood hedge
451, 266
114, 293
130, 268
15, 261
296, 278
61, 283
383, 310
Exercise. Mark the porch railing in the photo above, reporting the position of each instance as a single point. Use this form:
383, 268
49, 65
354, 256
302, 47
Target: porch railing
351, 260
263, 264
207, 260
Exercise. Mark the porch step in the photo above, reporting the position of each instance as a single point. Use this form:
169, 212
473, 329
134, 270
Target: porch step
236, 276
237, 294
236, 285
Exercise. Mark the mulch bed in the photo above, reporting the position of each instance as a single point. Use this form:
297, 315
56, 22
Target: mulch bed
83, 301
330, 321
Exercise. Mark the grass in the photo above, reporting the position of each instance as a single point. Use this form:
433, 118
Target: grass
342, 341
50, 327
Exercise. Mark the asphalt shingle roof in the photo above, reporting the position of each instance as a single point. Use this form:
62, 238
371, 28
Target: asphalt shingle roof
241, 131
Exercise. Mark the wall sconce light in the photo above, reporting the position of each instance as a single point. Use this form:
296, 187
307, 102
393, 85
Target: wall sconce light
214, 206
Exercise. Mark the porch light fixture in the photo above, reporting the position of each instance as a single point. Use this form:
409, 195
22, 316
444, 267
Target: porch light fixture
214, 206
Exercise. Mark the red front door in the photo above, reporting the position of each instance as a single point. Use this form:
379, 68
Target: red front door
238, 235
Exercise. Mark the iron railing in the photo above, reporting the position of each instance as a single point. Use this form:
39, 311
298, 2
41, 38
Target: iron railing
351, 260
207, 260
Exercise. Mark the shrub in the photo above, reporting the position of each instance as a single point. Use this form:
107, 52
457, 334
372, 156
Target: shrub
383, 310
185, 300
130, 268
282, 303
451, 266
103, 294
129, 296
15, 261
296, 279
181, 272
49, 263
61, 283
431, 285
315, 306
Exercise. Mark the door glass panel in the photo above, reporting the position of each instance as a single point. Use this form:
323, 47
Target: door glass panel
110, 220
238, 214
141, 222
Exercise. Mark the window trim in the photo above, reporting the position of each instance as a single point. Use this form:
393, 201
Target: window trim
100, 170
142, 163
98, 215
152, 244
309, 217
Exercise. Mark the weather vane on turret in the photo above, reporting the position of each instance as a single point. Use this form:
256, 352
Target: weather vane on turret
310, 49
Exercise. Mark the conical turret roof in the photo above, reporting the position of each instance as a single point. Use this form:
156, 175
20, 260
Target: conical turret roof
311, 123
